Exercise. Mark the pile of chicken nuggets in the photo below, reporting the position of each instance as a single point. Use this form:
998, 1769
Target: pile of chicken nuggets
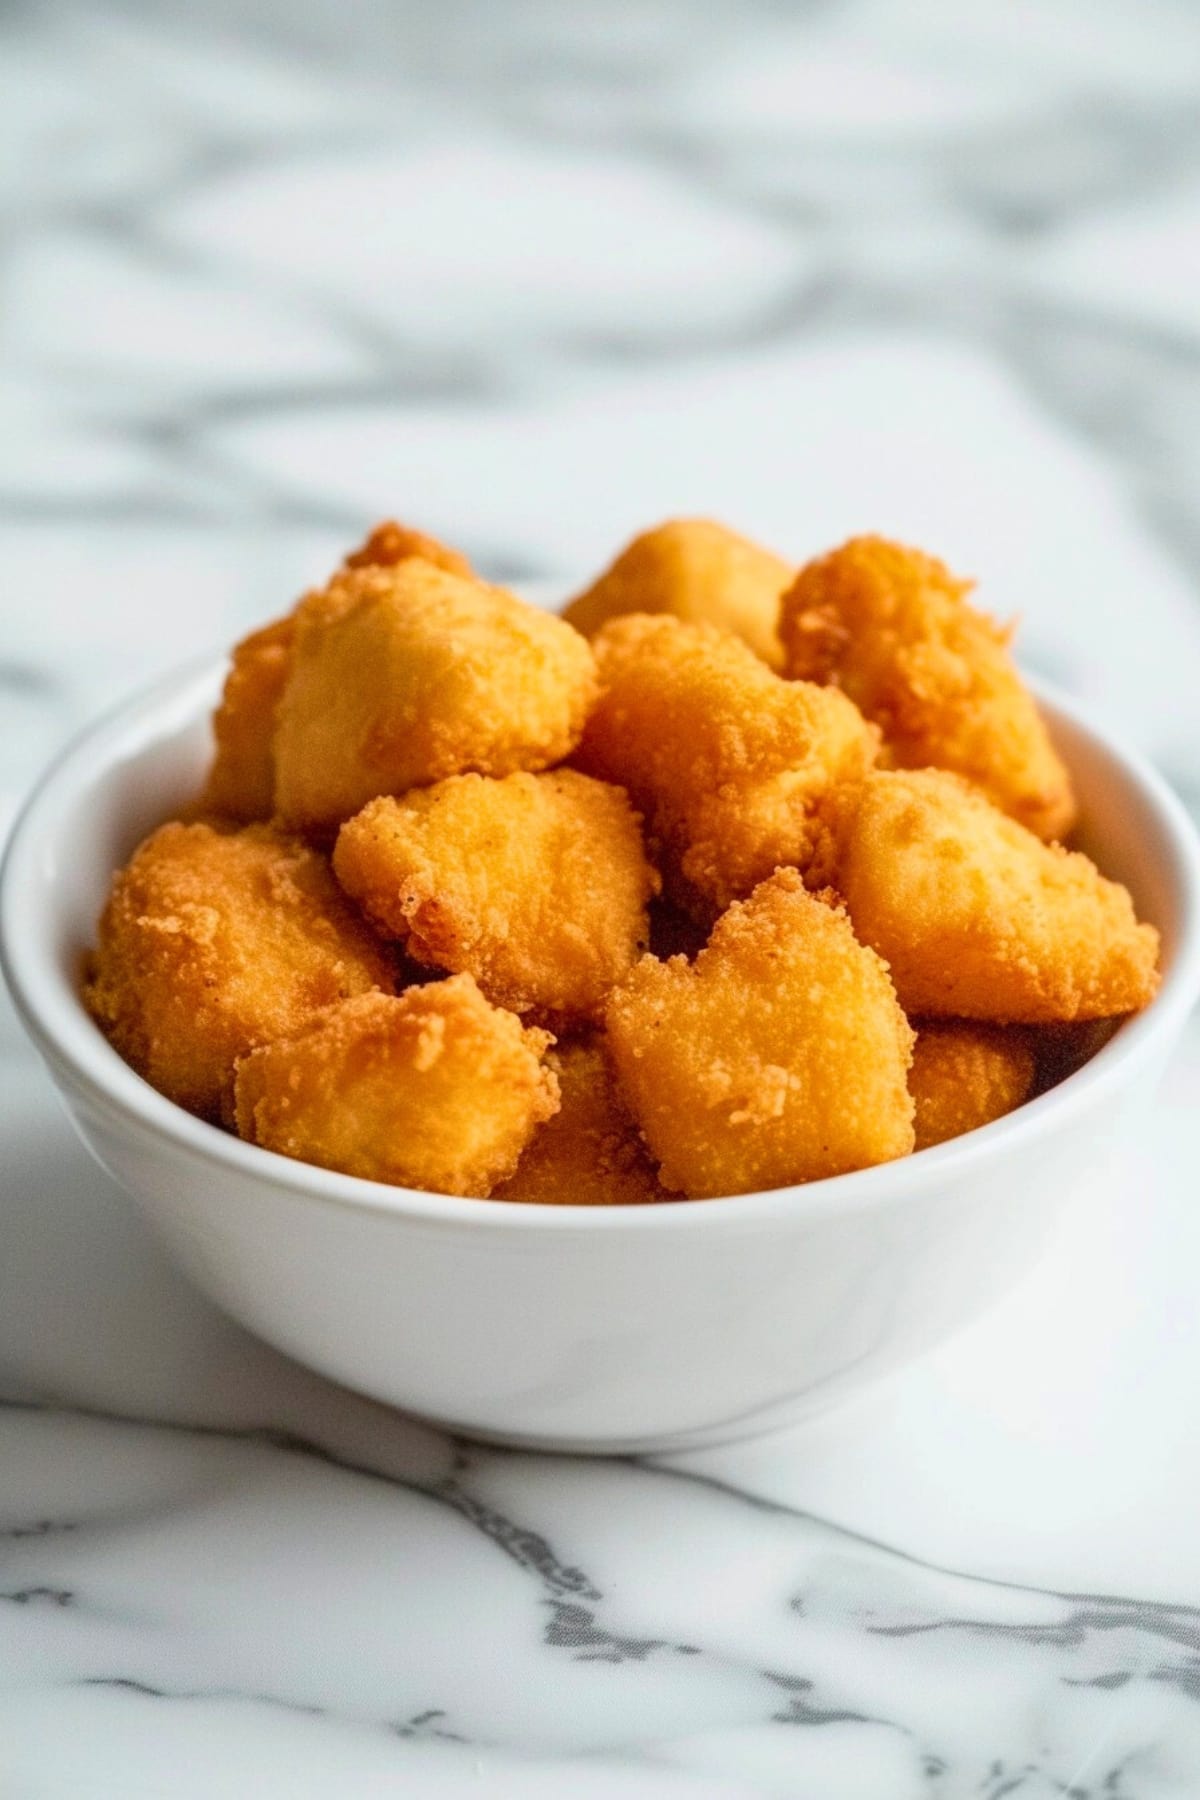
733, 876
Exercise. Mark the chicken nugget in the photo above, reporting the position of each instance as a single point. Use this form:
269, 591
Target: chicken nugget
434, 1089
700, 572
892, 628
589, 1153
213, 942
966, 1075
535, 884
402, 676
978, 918
241, 782
391, 543
780, 1055
731, 764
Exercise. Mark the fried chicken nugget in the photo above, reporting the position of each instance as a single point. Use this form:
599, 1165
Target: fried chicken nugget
391, 543
589, 1153
402, 676
892, 628
699, 571
965, 1075
977, 917
731, 764
241, 782
535, 884
434, 1089
779, 1055
212, 942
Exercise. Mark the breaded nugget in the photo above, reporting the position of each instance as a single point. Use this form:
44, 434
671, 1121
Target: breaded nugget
391, 543
241, 782
966, 1075
892, 628
699, 571
978, 918
213, 942
589, 1153
535, 884
779, 1055
402, 676
731, 764
435, 1089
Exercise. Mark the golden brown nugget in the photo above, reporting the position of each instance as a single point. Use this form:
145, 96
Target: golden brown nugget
965, 1075
402, 676
892, 628
434, 1089
535, 884
700, 572
241, 782
212, 942
731, 764
391, 543
589, 1153
978, 918
779, 1055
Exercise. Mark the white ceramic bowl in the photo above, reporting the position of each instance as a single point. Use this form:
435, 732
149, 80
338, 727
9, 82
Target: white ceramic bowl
578, 1328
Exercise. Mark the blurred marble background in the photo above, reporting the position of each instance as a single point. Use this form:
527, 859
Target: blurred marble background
535, 275
531, 276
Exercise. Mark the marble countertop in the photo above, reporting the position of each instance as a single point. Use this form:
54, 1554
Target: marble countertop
532, 277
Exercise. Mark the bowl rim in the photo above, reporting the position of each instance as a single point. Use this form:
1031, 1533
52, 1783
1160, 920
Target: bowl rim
69, 1040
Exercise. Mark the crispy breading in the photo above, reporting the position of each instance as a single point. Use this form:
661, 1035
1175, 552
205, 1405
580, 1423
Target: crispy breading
391, 543
241, 781
778, 1056
965, 1075
589, 1153
402, 676
977, 917
213, 942
731, 764
892, 628
434, 1089
699, 571
535, 884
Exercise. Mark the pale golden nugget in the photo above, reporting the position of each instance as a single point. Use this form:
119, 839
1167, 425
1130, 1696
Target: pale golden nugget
589, 1153
402, 676
434, 1089
241, 782
700, 572
213, 942
535, 884
964, 1076
892, 628
780, 1055
978, 918
732, 765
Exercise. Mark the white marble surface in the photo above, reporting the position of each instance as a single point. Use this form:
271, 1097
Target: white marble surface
532, 276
